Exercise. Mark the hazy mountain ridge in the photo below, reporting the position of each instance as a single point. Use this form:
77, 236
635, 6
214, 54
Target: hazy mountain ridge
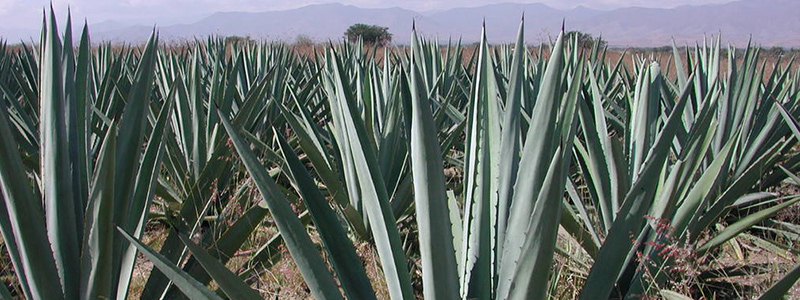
770, 22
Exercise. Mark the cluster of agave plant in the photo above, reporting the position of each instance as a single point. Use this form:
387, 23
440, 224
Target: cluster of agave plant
95, 142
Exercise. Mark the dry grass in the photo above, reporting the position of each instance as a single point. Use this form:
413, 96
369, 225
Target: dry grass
753, 269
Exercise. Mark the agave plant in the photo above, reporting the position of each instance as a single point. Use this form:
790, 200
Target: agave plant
469, 174
715, 169
83, 167
93, 166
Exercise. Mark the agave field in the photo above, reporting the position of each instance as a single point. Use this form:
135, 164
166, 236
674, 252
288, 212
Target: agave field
499, 173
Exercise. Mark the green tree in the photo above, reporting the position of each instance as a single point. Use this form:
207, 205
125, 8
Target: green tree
586, 40
370, 34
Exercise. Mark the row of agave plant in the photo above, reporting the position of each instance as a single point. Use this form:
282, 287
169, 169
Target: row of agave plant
98, 142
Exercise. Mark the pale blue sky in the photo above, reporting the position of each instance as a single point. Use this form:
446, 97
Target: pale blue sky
27, 13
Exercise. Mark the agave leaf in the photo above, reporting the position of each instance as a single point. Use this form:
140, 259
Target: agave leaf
644, 117
630, 219
744, 224
196, 98
737, 188
269, 253
224, 248
672, 295
689, 208
372, 188
685, 210
4, 292
480, 185
232, 285
440, 276
537, 252
129, 144
312, 148
190, 287
132, 129
343, 255
780, 289
61, 207
345, 156
589, 232
456, 227
681, 72
143, 193
81, 103
77, 149
26, 218
305, 254
99, 237
529, 279
795, 179
598, 156
510, 140
11, 247
790, 120
538, 153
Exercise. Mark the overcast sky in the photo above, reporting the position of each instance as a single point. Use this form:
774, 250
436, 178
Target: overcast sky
27, 13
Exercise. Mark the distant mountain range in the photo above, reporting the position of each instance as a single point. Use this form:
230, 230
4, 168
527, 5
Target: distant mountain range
769, 22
